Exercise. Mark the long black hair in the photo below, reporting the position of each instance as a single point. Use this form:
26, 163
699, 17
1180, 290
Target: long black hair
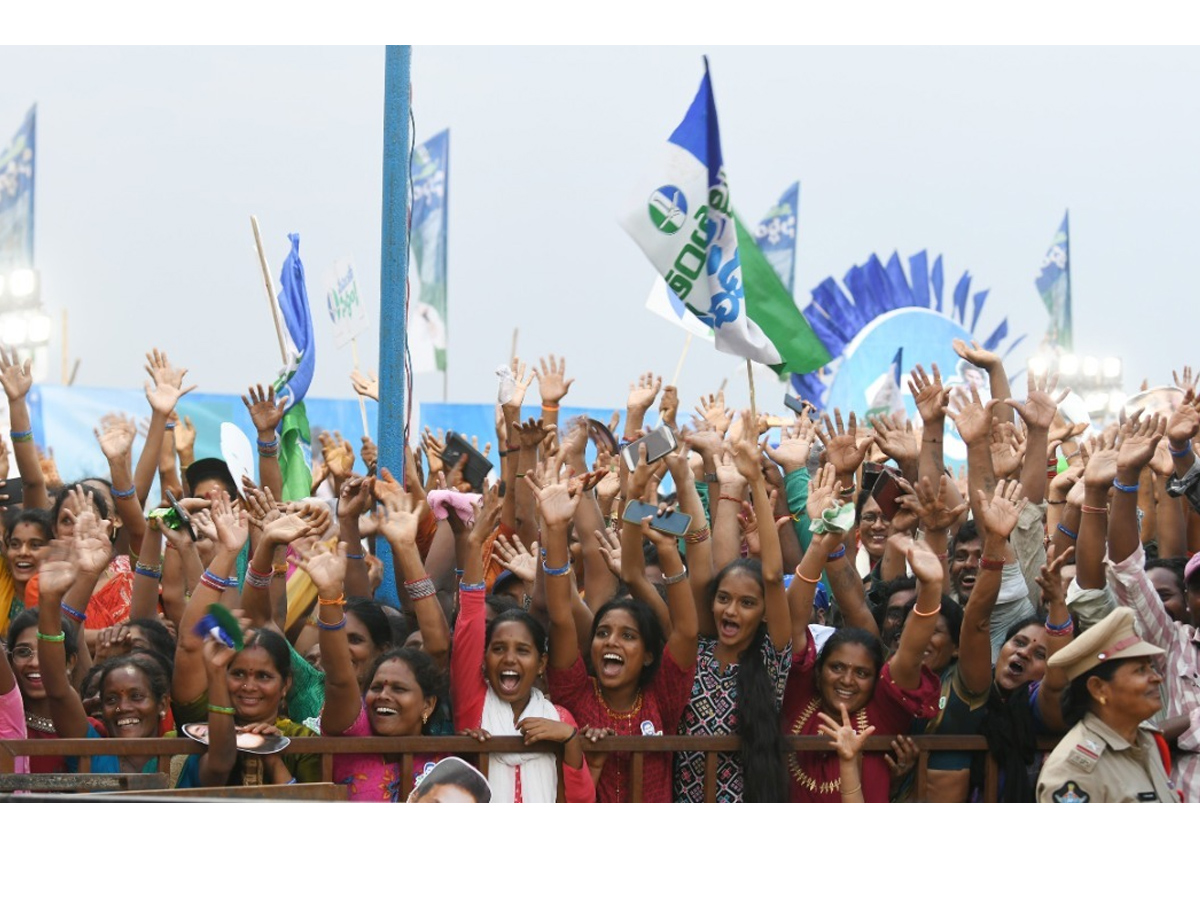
763, 751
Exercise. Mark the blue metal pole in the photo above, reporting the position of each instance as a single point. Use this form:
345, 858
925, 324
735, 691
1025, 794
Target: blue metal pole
393, 282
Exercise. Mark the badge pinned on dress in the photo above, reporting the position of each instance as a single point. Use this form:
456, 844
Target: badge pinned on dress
648, 729
1071, 793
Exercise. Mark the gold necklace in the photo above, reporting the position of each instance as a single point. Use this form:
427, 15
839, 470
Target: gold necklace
803, 778
617, 718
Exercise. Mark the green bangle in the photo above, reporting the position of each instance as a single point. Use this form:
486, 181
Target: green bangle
223, 710
52, 638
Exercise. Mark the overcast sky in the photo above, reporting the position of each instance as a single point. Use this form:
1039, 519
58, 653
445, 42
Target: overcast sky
151, 160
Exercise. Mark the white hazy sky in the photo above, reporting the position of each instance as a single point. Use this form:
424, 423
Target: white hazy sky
150, 161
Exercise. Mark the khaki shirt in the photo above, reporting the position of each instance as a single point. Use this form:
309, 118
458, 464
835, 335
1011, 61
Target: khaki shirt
1094, 764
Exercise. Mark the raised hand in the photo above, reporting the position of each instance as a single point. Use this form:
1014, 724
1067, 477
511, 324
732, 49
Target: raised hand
166, 384
265, 413
326, 568
261, 508
998, 514
369, 454
16, 376
668, 405
934, 507
712, 410
643, 391
230, 523
400, 518
365, 386
925, 565
930, 395
1139, 438
896, 439
338, 455
823, 491
58, 570
513, 555
355, 497
1186, 383
552, 381
747, 455
185, 436
846, 741
976, 355
552, 489
116, 440
973, 418
574, 444
1049, 579
532, 432
520, 384
1008, 449
1040, 405
843, 447
1184, 423
795, 445
91, 545
610, 549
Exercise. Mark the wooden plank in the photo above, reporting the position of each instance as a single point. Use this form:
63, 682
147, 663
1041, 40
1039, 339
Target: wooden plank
710, 775
58, 783
323, 791
922, 788
638, 768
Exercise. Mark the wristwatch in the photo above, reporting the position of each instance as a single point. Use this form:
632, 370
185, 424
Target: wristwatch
710, 477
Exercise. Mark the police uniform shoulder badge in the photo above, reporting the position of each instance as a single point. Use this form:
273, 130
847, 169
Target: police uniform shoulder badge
1085, 755
1071, 793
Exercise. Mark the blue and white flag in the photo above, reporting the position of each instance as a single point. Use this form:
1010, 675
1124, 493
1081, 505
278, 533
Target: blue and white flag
1054, 284
17, 162
682, 218
776, 236
427, 310
884, 395
295, 441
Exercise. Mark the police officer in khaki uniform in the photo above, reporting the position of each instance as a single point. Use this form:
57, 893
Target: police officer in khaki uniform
1109, 756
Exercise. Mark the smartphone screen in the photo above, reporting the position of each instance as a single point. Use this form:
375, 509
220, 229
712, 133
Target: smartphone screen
673, 522
659, 443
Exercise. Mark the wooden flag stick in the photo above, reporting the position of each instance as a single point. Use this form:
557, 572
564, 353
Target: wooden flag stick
362, 405
266, 274
750, 378
682, 356
513, 355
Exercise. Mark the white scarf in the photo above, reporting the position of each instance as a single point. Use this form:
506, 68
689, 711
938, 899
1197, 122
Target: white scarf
539, 771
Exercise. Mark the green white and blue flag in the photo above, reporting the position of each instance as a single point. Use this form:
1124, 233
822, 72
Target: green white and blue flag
683, 220
295, 440
1054, 284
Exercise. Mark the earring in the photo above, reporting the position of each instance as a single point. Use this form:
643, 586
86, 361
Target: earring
1103, 701
162, 713
424, 718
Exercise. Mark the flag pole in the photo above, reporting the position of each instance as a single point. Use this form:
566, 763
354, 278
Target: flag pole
362, 404
393, 285
682, 356
513, 355
266, 273
750, 378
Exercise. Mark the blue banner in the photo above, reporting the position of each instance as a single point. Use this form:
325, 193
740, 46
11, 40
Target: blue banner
16, 197
63, 419
427, 316
776, 236
1054, 284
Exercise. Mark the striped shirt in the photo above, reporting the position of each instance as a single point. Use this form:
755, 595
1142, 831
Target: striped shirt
1181, 672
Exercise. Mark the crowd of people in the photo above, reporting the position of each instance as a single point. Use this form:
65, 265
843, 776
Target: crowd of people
829, 578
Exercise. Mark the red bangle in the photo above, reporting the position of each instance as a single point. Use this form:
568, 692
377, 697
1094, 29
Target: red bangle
727, 497
1101, 510
992, 565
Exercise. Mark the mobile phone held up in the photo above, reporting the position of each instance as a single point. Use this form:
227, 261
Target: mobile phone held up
671, 522
886, 491
13, 490
659, 443
478, 465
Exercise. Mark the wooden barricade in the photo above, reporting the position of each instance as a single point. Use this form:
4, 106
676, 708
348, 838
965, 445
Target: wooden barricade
405, 749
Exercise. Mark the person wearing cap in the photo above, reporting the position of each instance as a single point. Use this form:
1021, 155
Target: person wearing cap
1109, 755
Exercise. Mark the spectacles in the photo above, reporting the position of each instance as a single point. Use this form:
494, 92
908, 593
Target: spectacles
22, 652
871, 518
